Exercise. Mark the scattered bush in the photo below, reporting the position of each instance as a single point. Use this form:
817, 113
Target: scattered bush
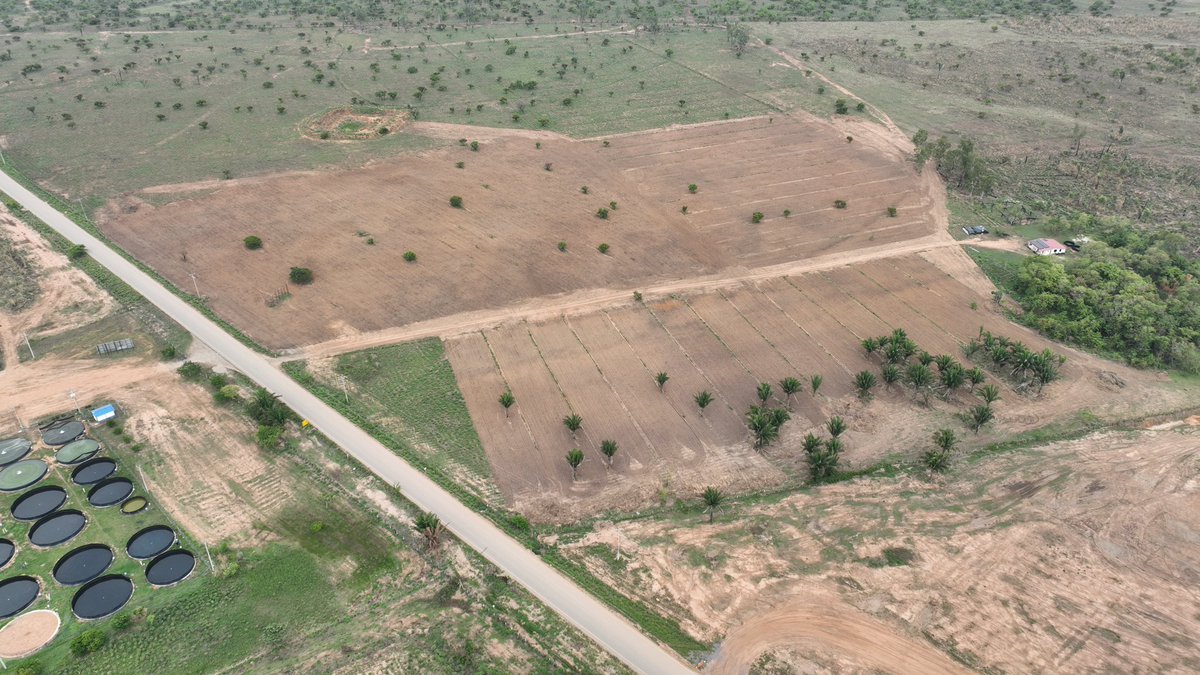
562, 246
692, 187
603, 248
88, 641
76, 251
456, 202
756, 217
409, 256
301, 275
252, 242
169, 353
190, 371
839, 203
840, 107
602, 213
891, 212
267, 438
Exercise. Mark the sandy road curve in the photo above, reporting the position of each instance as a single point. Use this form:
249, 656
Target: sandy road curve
828, 625
609, 629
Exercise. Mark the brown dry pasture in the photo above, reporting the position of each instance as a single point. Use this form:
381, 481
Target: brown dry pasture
1076, 556
519, 201
601, 365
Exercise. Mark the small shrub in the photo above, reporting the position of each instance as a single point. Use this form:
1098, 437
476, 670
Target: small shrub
267, 438
228, 394
891, 212
583, 189
456, 202
88, 641
602, 213
787, 213
122, 621
756, 217
840, 107
562, 246
76, 252
169, 353
252, 242
301, 275
637, 296
459, 165
898, 556
384, 131
519, 523
860, 106
692, 187
683, 209
475, 146
190, 371
839, 203
409, 256
217, 380
603, 248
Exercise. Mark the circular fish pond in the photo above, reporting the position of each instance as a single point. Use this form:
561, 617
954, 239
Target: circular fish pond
109, 492
149, 542
77, 451
16, 594
39, 503
57, 528
102, 597
7, 549
170, 568
22, 474
13, 449
83, 564
134, 505
62, 432
93, 471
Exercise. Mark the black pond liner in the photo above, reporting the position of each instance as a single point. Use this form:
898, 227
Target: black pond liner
13, 449
170, 567
102, 597
57, 528
109, 492
93, 471
150, 541
7, 549
134, 505
16, 594
39, 503
83, 564
62, 432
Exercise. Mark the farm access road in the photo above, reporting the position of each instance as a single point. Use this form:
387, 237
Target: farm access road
609, 629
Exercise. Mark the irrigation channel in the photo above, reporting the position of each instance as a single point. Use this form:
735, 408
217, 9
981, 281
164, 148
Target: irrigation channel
83, 564
101, 597
150, 541
16, 594
57, 528
77, 451
13, 449
61, 432
39, 503
22, 474
170, 568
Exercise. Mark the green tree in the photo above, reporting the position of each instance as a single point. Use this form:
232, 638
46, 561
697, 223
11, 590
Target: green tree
573, 422
702, 400
976, 377
890, 374
712, 501
756, 217
823, 462
764, 391
864, 381
574, 458
815, 383
608, 449
430, 527
301, 275
738, 37
507, 400
978, 416
252, 242
88, 641
789, 386
456, 201
660, 378
870, 346
920, 378
811, 444
266, 409
990, 393
836, 426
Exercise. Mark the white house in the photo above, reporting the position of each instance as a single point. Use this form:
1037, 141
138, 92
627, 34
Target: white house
1046, 247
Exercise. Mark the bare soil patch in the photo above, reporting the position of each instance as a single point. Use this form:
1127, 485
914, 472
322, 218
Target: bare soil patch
351, 124
28, 633
502, 246
601, 366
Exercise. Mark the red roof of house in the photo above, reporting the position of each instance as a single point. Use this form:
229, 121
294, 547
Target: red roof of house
1046, 243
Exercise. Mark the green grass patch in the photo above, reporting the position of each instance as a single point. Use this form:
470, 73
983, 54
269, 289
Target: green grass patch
1002, 267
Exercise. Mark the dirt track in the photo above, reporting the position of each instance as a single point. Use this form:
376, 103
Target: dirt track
825, 624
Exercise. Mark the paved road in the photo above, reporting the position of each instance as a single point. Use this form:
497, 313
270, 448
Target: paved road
606, 627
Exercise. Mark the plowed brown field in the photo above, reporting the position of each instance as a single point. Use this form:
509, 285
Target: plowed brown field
520, 201
601, 365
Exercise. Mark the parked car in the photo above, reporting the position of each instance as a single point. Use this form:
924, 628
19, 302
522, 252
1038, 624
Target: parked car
976, 229
1072, 244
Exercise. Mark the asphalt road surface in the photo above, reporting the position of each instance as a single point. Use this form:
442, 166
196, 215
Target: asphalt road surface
609, 629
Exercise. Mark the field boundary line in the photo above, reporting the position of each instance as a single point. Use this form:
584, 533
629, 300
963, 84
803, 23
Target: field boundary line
691, 360
812, 337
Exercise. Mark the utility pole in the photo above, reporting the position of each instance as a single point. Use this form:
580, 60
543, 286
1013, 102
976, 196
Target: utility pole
194, 284
75, 400
83, 212
32, 357
345, 395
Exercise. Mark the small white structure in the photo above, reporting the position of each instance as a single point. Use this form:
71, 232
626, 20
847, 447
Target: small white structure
1047, 247
104, 413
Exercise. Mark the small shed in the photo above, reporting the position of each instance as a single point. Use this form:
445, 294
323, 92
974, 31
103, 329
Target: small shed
104, 413
1047, 247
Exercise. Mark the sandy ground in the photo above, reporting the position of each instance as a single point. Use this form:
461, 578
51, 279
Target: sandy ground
28, 633
1077, 556
501, 249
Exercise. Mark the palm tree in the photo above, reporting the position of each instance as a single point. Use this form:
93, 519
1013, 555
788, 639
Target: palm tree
953, 376
976, 377
789, 386
990, 393
943, 362
823, 462
890, 374
764, 391
762, 426
864, 382
938, 457
608, 449
815, 383
702, 400
811, 444
661, 380
836, 426
870, 345
920, 377
430, 527
712, 501
574, 458
979, 416
506, 400
573, 422
945, 439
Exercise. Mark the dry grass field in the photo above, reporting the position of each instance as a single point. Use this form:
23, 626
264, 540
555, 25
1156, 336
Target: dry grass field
601, 365
519, 201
